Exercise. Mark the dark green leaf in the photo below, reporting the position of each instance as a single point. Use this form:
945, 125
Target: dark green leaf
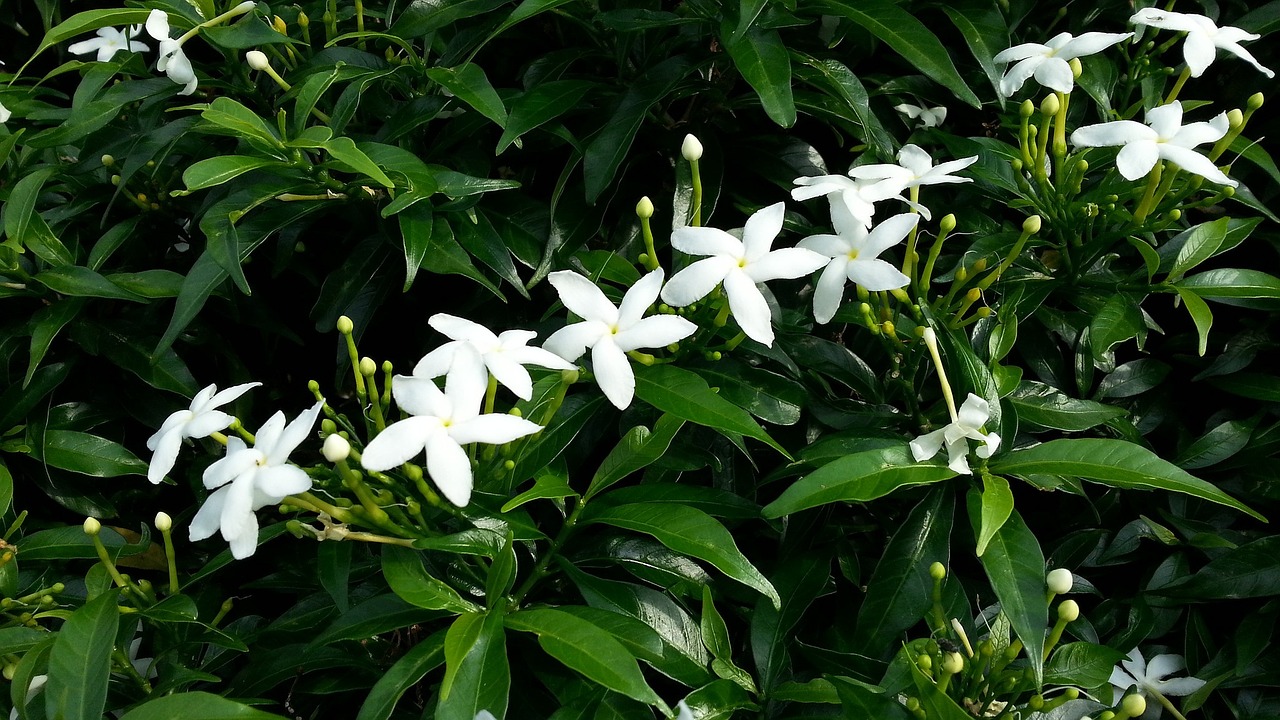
1232, 283
196, 706
1201, 315
80, 281
637, 449
849, 89
80, 662
409, 579
240, 120
469, 83
541, 104
404, 674
477, 676
89, 454
1015, 567
46, 324
1197, 245
1046, 406
984, 31
997, 504
1081, 663
344, 150
762, 58
217, 170
1249, 571
1118, 320
859, 477
687, 396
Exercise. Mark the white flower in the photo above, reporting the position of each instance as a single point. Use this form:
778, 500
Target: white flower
740, 265
928, 117
966, 425
684, 712
1149, 678
1049, 62
109, 42
4, 113
612, 331
441, 423
854, 254
172, 61
915, 168
249, 479
857, 196
199, 420
1204, 38
37, 685
503, 356
691, 148
1164, 137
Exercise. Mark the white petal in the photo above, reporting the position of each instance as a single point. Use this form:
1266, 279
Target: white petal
1136, 159
942, 173
209, 516
697, 280
1110, 134
828, 245
1199, 52
958, 456
1164, 19
201, 400
990, 444
456, 328
492, 429
398, 443
1016, 76
245, 541
886, 235
1199, 133
829, 291
1135, 664
437, 362
281, 481
538, 356
138, 46
465, 385
206, 423
1165, 120
974, 412
171, 424
817, 186
1235, 49
238, 461
1162, 666
786, 263
1194, 162
761, 228
927, 445
1090, 43
511, 339
237, 512
85, 47
166, 454
230, 394
418, 396
909, 110
749, 307
851, 210
158, 25
1022, 52
639, 298
294, 435
269, 434
656, 331
711, 242
915, 159
571, 341
583, 298
1055, 74
510, 374
876, 275
882, 171
1179, 686
613, 373
449, 468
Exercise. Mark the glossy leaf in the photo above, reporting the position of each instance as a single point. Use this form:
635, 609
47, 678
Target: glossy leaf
1015, 566
80, 661
80, 281
539, 105
984, 31
1232, 283
215, 171
1081, 663
997, 505
762, 58
860, 477
1118, 320
1048, 407
637, 449
89, 454
344, 150
400, 677
470, 84
849, 88
685, 395
240, 120
196, 706
410, 580
1201, 315
477, 676
1197, 245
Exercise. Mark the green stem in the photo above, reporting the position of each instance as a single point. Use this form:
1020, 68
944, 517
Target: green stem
540, 569
696, 220
1177, 86
1144, 206
909, 259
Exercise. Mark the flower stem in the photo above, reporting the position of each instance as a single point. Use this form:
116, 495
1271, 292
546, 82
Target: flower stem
1177, 86
1160, 698
909, 257
1153, 181
696, 199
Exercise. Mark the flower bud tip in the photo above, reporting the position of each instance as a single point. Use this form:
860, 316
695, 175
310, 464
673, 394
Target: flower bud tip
257, 60
164, 523
937, 570
1050, 105
345, 326
1031, 225
368, 366
1133, 705
1255, 101
644, 208
1068, 611
947, 223
92, 526
691, 149
336, 448
1059, 581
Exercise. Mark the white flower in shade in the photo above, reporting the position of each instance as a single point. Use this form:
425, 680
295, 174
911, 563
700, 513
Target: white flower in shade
441, 423
4, 113
854, 254
1204, 38
928, 117
109, 42
503, 356
201, 419
1149, 679
967, 425
859, 197
1049, 63
914, 168
172, 61
250, 478
1164, 137
740, 265
610, 331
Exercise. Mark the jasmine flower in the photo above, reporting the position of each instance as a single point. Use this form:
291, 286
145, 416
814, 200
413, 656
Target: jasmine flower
914, 168
172, 61
928, 117
965, 425
1048, 63
1164, 137
109, 42
503, 356
1204, 38
201, 419
1150, 679
854, 254
857, 196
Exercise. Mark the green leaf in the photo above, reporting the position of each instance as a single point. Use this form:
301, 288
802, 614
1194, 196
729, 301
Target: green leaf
860, 477
539, 105
762, 58
687, 396
1081, 663
477, 676
375, 616
773, 641
240, 120
1015, 567
851, 90
404, 674
251, 32
89, 454
638, 449
87, 21
483, 242
1200, 314
1133, 378
409, 579
859, 700
196, 706
1217, 445
25, 227
1198, 244
217, 170
1249, 571
70, 543
416, 230
1118, 320
46, 324
997, 504
900, 587
17, 400
586, 648
715, 634
909, 37
1116, 463
1231, 283
688, 531
80, 281
984, 31
443, 254
766, 395
80, 662
334, 565
545, 486
6, 495
469, 83
344, 150
1048, 407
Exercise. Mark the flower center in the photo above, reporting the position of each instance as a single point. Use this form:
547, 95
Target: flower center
742, 263
853, 254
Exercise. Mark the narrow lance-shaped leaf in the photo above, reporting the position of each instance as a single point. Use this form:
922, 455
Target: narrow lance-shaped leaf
80, 662
763, 60
1015, 566
859, 477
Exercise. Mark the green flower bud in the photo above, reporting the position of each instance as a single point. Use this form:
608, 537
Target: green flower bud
345, 326
303, 20
92, 526
644, 208
973, 295
108, 161
937, 570
387, 366
952, 663
368, 366
1027, 109
279, 25
947, 223
1175, 215
1235, 118
1255, 101
1068, 611
980, 265
983, 312
1133, 705
516, 412
1059, 581
1076, 68
328, 427
509, 464
1050, 105
1032, 225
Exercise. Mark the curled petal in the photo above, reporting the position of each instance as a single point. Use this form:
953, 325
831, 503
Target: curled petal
1135, 664
1178, 687
1016, 76
209, 516
281, 481
1136, 159
1022, 52
1162, 666
166, 450
990, 443
1199, 52
613, 373
883, 171
294, 434
245, 541
398, 443
456, 328
206, 423
1235, 49
914, 158
927, 445
697, 280
231, 393
958, 456
171, 424
583, 298
464, 386
942, 173
749, 307
1090, 43
761, 228
238, 461
1109, 134
654, 332
449, 468
492, 429
1055, 74
237, 513
974, 412
437, 362
158, 25
1165, 20
817, 186
876, 275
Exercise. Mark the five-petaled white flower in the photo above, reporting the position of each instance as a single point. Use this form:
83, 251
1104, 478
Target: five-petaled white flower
1204, 38
503, 356
1049, 63
109, 42
967, 425
854, 254
1164, 137
740, 265
441, 423
914, 168
250, 478
1149, 678
197, 421
612, 331
928, 117
172, 61
859, 197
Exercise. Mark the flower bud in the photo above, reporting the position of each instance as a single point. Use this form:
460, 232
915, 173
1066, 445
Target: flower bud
1068, 611
1076, 67
980, 265
279, 25
92, 526
1050, 105
983, 312
1133, 705
368, 366
1059, 581
1255, 101
108, 161
1235, 118
937, 571
644, 208
244, 7
973, 295
345, 326
257, 60
1027, 109
952, 663
303, 20
336, 448
691, 149
1031, 225
947, 223
1175, 215
164, 523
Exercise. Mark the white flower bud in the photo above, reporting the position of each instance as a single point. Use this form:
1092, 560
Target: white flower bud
164, 523
691, 149
92, 526
257, 60
336, 448
246, 6
1068, 611
1060, 581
